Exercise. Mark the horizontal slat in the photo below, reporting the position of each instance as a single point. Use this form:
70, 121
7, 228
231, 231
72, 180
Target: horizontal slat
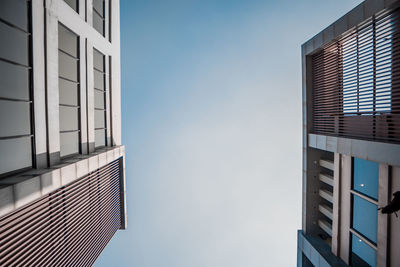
68, 227
326, 195
327, 211
327, 227
325, 178
356, 85
327, 164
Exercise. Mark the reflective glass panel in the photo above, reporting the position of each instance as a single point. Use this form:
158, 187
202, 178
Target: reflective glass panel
366, 176
365, 218
15, 154
364, 254
14, 118
69, 143
14, 44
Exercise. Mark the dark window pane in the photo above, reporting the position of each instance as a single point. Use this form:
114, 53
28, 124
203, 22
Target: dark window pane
68, 67
68, 92
98, 80
364, 254
99, 119
98, 23
15, 12
98, 60
14, 81
15, 154
73, 4
67, 41
14, 44
100, 138
68, 118
366, 176
99, 6
69, 143
14, 118
365, 218
99, 99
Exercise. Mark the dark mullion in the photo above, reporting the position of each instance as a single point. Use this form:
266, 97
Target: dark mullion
15, 26
102, 128
69, 131
15, 136
100, 90
15, 63
15, 99
69, 80
68, 54
97, 12
71, 106
101, 71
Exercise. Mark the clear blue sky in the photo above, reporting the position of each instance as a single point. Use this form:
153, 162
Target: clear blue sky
211, 115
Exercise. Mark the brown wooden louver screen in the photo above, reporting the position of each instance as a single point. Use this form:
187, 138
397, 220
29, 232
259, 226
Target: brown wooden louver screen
68, 227
356, 83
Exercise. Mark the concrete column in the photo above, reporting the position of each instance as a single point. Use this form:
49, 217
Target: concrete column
116, 75
90, 97
39, 101
383, 195
345, 208
83, 95
336, 205
52, 83
108, 99
394, 229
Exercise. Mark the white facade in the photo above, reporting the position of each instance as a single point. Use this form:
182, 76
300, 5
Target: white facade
50, 170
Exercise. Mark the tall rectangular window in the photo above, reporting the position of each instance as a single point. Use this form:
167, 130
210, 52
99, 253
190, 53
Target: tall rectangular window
16, 136
364, 212
100, 110
99, 16
68, 79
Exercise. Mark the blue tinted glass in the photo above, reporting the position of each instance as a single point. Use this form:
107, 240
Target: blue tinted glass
366, 174
365, 217
363, 251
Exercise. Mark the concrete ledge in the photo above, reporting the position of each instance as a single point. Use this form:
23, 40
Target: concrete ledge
375, 151
318, 252
19, 190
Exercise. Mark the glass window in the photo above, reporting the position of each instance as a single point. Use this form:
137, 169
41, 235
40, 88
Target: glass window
16, 153
15, 75
69, 90
99, 98
362, 253
98, 16
15, 46
364, 212
366, 174
67, 41
15, 12
365, 218
100, 138
73, 4
69, 143
14, 81
16, 117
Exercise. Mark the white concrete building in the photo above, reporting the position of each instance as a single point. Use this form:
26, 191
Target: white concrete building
62, 183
